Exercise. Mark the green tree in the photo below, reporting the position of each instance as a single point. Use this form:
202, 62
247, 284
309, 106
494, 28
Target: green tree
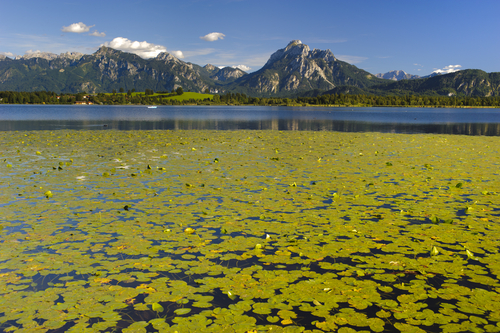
122, 90
179, 91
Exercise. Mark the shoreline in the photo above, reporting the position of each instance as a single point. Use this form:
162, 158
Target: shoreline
281, 105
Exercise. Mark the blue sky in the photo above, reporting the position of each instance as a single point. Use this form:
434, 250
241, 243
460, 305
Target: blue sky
418, 37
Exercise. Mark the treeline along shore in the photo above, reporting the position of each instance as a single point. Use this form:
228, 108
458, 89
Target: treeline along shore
179, 97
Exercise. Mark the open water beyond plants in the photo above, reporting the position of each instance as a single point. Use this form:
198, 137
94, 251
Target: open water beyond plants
248, 231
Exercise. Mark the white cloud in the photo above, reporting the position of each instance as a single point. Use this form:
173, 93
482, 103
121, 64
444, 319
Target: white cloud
448, 69
77, 28
32, 52
177, 54
8, 54
213, 36
142, 49
97, 34
242, 67
351, 59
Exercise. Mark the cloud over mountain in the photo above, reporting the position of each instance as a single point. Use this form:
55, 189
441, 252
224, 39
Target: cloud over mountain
242, 67
177, 54
448, 69
213, 36
142, 49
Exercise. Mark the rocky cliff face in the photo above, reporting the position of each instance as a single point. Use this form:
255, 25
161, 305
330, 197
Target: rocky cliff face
103, 71
297, 68
164, 72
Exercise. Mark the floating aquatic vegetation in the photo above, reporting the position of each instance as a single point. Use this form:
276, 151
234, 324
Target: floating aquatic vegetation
249, 231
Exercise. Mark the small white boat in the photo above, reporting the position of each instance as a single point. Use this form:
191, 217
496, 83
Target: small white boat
152, 107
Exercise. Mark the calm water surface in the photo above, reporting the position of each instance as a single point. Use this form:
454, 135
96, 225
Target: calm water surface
469, 121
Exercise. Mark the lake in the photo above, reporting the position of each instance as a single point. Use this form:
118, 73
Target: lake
469, 121
248, 219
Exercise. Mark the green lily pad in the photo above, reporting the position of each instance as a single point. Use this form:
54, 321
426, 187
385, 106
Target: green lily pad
182, 311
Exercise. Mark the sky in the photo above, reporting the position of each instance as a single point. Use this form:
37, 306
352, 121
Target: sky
418, 37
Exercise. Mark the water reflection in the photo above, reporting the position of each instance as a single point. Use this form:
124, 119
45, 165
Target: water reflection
394, 120
272, 124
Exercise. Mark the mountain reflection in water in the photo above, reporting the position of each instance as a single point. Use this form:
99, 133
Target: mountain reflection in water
394, 120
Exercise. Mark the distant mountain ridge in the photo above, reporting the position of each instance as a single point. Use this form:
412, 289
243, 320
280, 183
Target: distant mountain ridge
470, 82
51, 56
402, 75
397, 76
295, 70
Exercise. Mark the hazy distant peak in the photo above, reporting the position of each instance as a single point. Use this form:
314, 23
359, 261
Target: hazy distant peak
397, 75
50, 56
37, 54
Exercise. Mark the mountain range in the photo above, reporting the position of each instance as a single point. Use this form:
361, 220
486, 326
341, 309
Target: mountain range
402, 75
295, 70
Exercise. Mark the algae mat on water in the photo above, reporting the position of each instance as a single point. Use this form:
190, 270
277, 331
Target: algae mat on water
248, 231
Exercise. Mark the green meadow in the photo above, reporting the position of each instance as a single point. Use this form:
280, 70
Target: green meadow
185, 96
248, 231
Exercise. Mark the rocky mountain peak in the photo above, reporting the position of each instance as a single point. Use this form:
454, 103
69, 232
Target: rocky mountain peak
166, 57
107, 51
103, 50
210, 67
2, 57
295, 49
296, 44
71, 55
